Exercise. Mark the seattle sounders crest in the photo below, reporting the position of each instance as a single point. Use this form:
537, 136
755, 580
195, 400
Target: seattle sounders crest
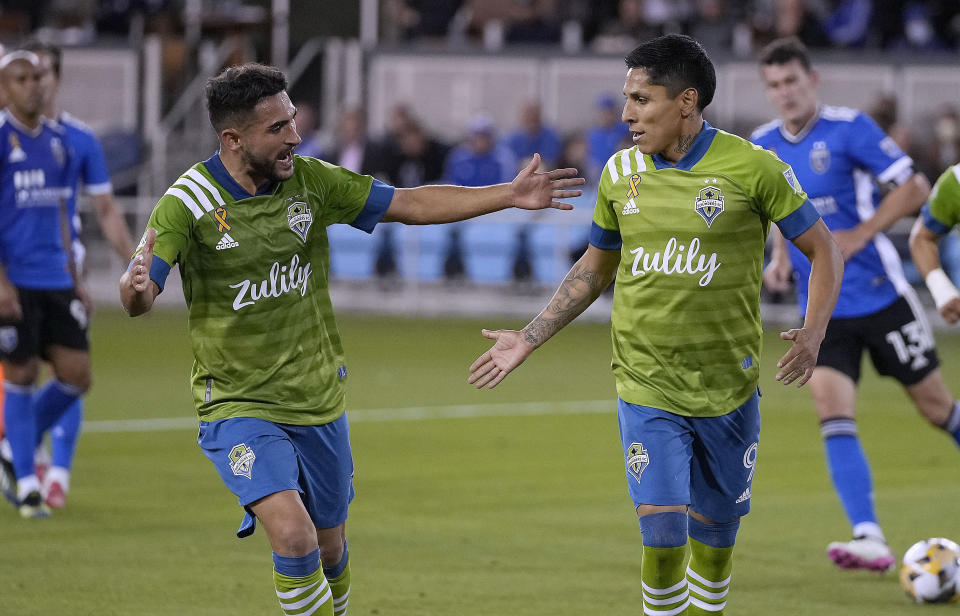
299, 217
709, 203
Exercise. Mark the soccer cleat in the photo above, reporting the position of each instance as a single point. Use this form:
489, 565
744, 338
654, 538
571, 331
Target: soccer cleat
56, 496
33, 506
862, 553
8, 482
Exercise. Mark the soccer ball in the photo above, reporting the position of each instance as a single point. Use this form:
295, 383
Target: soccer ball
931, 571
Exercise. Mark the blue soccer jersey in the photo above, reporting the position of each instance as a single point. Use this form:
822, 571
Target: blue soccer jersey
839, 158
33, 167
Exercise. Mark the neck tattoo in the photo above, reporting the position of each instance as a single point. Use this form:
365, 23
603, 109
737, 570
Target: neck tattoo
683, 144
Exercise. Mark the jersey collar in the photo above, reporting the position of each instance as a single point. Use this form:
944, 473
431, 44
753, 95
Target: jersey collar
215, 166
700, 146
803, 131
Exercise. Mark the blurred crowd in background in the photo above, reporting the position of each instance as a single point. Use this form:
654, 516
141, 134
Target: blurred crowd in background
601, 25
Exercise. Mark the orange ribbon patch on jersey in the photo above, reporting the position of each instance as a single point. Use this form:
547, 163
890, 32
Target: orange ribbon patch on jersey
221, 215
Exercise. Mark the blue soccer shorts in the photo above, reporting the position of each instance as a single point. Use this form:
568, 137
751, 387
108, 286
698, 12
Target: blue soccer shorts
704, 462
256, 458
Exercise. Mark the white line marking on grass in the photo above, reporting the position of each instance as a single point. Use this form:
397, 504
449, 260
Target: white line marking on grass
412, 413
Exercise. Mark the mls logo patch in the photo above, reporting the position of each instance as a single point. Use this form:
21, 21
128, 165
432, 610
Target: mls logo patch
637, 460
820, 157
241, 460
300, 218
791, 179
709, 203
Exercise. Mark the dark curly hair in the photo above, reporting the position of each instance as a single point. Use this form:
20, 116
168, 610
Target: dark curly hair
233, 94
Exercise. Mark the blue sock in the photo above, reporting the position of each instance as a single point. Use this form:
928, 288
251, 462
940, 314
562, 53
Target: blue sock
849, 469
20, 427
953, 423
334, 571
718, 535
297, 566
50, 403
63, 436
664, 530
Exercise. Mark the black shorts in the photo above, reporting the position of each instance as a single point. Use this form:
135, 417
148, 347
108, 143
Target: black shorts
49, 318
897, 337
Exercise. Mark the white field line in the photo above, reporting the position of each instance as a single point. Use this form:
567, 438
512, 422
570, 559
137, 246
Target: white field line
412, 413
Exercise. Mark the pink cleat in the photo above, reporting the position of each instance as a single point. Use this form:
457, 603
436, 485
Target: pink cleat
862, 553
56, 496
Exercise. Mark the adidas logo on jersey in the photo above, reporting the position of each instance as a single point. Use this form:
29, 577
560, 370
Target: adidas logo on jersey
630, 207
745, 496
226, 242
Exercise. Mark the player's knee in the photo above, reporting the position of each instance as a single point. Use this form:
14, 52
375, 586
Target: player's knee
77, 378
331, 551
294, 539
25, 374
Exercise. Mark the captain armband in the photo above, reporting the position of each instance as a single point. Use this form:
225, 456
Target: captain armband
941, 288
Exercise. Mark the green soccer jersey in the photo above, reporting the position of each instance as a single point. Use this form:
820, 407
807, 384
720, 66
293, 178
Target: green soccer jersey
944, 207
255, 278
686, 309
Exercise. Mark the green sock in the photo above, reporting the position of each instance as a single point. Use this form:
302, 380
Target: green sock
340, 586
664, 584
708, 576
304, 596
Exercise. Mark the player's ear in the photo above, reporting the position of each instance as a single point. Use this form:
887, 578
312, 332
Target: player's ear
230, 139
688, 102
814, 78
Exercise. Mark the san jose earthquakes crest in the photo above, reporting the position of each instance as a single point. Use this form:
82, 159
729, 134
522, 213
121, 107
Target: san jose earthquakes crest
709, 203
820, 157
299, 217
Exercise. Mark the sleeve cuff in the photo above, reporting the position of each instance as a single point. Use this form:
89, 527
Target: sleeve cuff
605, 239
159, 270
376, 206
932, 223
798, 221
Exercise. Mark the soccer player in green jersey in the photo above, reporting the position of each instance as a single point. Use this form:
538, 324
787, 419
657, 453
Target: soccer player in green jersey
680, 223
247, 227
937, 218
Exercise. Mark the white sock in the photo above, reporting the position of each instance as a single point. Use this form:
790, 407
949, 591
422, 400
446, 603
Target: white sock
26, 485
869, 529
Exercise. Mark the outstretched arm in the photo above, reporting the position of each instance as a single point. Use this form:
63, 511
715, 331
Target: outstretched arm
137, 291
530, 190
112, 225
584, 283
904, 200
826, 273
926, 256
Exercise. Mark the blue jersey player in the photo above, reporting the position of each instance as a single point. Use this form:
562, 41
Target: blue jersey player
842, 159
41, 316
88, 168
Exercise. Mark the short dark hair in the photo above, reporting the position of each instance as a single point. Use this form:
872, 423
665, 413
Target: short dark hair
677, 62
785, 50
233, 94
54, 51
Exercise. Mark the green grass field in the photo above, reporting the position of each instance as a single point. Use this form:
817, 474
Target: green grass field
468, 502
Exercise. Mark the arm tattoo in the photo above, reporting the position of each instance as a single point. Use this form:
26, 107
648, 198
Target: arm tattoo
684, 143
576, 292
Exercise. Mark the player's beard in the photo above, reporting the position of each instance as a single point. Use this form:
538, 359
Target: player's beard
263, 167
